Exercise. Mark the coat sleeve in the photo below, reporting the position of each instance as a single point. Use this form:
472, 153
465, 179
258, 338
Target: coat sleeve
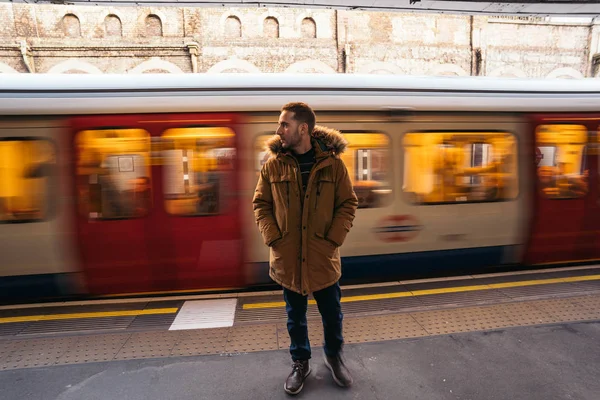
263, 209
346, 204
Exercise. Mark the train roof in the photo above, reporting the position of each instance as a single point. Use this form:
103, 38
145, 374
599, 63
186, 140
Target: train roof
140, 82
96, 94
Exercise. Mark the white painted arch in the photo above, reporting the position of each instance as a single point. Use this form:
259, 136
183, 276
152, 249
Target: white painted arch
72, 64
300, 66
155, 63
453, 69
233, 63
7, 69
507, 70
381, 66
566, 71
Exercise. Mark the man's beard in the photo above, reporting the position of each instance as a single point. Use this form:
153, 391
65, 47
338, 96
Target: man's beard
294, 141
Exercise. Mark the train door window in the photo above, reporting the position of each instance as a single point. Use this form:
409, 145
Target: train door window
367, 159
27, 179
199, 166
561, 160
458, 167
113, 173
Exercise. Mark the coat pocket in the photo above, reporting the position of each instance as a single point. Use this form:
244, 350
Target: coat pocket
325, 190
281, 187
326, 247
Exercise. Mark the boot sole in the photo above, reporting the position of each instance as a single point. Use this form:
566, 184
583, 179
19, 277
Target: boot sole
336, 380
301, 386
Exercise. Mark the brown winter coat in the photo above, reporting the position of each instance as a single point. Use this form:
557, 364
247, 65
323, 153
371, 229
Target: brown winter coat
304, 239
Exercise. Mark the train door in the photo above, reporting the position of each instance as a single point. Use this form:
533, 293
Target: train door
36, 254
368, 158
408, 221
460, 179
567, 212
150, 219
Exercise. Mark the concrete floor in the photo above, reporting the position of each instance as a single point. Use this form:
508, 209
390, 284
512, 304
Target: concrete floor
529, 363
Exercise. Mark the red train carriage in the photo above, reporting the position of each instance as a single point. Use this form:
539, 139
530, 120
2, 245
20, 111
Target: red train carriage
156, 209
566, 213
110, 186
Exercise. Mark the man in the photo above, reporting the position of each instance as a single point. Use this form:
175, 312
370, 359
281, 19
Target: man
304, 206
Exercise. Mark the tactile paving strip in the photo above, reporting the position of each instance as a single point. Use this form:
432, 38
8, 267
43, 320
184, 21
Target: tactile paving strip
567, 309
247, 337
250, 338
592, 303
522, 314
37, 352
148, 345
379, 328
93, 349
201, 342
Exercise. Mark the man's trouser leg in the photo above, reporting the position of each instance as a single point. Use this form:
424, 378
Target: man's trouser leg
328, 301
295, 306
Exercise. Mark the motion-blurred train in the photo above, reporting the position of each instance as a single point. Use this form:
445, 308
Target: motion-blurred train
137, 185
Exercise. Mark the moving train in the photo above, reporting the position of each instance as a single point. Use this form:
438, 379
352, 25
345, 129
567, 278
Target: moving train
128, 185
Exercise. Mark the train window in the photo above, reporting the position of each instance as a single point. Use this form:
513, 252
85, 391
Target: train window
458, 167
368, 161
561, 160
113, 173
27, 179
199, 166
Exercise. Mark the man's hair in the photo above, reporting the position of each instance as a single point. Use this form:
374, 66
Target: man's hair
302, 113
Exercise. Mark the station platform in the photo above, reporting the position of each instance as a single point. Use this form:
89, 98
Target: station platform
519, 335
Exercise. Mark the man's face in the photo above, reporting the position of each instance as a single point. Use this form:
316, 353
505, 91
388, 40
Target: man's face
289, 130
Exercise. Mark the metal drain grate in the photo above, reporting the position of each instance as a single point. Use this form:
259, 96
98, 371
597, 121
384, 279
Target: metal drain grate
590, 286
12, 328
77, 325
159, 321
466, 298
541, 290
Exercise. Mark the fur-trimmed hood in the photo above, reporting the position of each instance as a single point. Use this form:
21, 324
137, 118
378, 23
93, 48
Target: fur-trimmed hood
328, 139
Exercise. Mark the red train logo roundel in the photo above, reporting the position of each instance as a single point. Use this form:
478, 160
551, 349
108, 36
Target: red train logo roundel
398, 228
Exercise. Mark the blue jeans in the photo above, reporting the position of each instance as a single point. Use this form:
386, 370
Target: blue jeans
328, 301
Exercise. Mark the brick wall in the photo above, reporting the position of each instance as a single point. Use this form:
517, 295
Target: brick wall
221, 39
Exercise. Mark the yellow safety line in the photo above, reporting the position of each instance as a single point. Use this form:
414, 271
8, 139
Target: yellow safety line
53, 317
457, 289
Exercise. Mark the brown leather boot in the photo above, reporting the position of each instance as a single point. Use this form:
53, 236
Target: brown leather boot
295, 381
338, 369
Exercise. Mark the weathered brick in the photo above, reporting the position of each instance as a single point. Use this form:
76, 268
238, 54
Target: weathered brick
125, 39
